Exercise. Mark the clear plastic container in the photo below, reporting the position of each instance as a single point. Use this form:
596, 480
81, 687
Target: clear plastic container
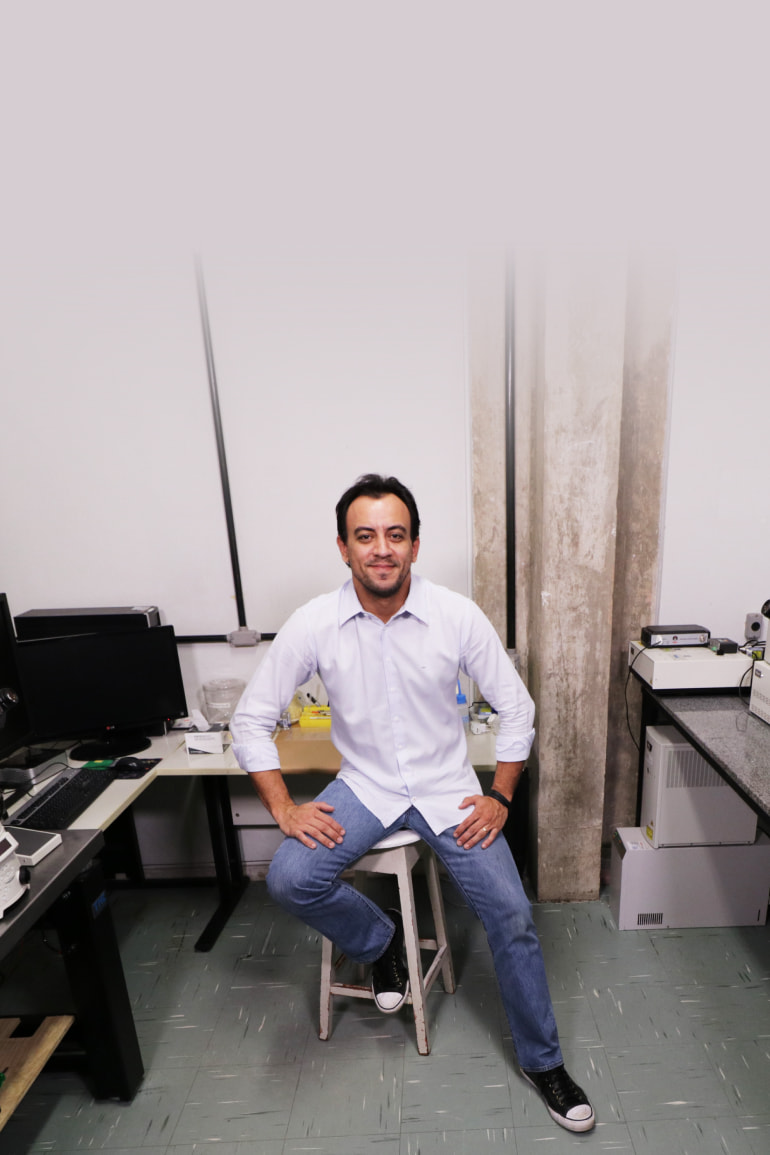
220, 697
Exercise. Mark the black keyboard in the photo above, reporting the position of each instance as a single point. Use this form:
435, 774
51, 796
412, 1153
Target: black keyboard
56, 807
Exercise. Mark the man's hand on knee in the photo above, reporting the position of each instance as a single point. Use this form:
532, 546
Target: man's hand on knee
483, 824
309, 821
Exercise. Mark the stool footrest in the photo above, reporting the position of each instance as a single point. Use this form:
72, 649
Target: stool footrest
364, 990
399, 861
352, 990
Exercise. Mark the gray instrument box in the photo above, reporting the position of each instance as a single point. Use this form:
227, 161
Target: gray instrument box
677, 886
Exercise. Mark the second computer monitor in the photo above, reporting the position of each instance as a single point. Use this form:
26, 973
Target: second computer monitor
110, 691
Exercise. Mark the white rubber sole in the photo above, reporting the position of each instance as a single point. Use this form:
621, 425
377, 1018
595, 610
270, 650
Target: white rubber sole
577, 1125
391, 1010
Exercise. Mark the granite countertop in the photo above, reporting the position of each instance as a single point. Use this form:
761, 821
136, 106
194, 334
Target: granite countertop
738, 742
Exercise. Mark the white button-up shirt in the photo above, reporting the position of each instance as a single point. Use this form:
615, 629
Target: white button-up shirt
392, 691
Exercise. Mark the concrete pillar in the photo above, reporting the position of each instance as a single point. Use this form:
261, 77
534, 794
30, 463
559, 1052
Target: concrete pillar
571, 396
486, 366
593, 342
646, 386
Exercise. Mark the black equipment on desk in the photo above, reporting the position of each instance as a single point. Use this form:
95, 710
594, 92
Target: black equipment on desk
110, 689
56, 807
91, 620
15, 728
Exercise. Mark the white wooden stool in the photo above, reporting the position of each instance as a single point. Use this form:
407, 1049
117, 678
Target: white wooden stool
398, 854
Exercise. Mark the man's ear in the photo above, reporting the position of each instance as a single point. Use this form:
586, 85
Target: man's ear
343, 551
415, 548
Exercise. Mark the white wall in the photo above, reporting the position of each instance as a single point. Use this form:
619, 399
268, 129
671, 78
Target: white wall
331, 367
716, 551
328, 366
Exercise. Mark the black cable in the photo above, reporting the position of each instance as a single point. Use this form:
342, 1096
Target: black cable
52, 771
741, 697
642, 650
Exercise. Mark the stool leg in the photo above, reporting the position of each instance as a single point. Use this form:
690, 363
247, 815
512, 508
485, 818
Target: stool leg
439, 920
327, 975
359, 882
413, 961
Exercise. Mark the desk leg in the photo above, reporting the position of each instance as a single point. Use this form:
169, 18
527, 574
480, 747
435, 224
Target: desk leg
227, 857
121, 853
83, 920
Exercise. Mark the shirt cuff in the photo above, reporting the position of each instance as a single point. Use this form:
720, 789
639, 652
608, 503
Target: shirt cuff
256, 758
514, 748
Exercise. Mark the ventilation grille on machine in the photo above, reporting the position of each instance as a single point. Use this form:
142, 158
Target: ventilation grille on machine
760, 697
649, 919
685, 769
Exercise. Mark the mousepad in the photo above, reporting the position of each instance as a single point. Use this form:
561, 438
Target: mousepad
145, 764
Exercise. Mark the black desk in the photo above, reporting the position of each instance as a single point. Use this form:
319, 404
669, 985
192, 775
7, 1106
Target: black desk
67, 892
720, 727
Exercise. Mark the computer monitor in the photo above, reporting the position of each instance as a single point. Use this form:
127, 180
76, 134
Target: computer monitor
110, 691
15, 729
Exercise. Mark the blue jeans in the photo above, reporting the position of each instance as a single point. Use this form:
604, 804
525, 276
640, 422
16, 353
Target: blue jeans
307, 883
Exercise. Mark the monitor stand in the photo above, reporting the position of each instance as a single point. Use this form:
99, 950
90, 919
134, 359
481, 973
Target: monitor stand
110, 746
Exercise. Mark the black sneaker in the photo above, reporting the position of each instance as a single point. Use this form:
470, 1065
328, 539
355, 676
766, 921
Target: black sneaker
565, 1101
390, 978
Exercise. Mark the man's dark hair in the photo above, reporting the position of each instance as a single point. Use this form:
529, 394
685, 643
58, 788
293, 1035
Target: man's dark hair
374, 485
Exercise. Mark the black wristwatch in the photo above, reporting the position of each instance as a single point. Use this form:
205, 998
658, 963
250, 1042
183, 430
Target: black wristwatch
501, 798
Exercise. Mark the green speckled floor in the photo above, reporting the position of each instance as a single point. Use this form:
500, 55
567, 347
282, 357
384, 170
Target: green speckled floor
669, 1032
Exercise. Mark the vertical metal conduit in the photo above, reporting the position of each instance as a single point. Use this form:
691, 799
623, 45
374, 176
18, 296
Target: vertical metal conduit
510, 461
220, 446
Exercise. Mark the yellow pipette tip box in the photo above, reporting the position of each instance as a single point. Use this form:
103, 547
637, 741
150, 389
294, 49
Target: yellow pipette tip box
316, 717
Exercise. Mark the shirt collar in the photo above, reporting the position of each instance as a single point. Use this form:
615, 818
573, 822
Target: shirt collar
416, 602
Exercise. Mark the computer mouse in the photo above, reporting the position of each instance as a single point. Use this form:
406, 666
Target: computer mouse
129, 768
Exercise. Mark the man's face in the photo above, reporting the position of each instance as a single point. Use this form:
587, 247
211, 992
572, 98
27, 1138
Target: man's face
379, 548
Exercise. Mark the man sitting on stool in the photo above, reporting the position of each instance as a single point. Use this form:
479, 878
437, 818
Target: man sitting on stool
388, 646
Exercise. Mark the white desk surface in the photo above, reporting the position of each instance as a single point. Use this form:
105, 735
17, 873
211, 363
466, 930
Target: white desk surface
301, 751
